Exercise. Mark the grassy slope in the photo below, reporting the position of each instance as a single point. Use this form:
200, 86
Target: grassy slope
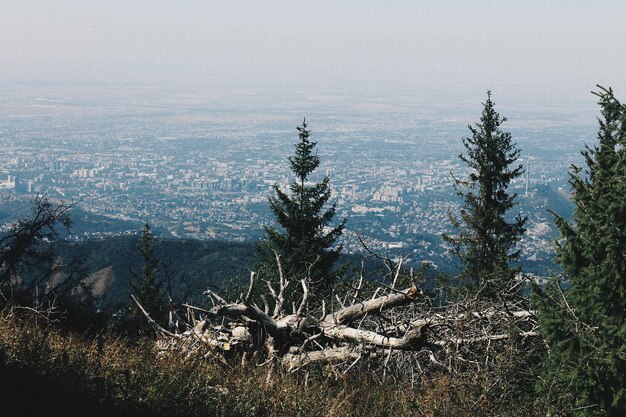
46, 372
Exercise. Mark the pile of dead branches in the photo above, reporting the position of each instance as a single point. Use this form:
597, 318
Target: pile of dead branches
389, 323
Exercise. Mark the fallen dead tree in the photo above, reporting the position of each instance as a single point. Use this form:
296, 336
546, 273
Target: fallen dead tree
402, 325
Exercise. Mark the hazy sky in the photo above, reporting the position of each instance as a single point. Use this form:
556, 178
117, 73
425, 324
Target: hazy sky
407, 44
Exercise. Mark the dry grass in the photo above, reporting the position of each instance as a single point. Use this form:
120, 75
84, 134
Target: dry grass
45, 371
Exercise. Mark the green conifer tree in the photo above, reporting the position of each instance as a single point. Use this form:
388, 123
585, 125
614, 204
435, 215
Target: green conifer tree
303, 240
584, 320
486, 242
145, 285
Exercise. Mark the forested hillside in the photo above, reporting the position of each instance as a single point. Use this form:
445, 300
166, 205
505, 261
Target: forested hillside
189, 266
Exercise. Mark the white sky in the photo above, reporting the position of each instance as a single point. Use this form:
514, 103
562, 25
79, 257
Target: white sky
554, 45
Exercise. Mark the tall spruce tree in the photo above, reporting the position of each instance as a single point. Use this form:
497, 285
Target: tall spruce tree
145, 285
486, 240
584, 320
303, 240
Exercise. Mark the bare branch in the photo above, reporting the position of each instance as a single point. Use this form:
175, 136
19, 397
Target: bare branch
215, 297
495, 337
249, 293
282, 282
360, 284
252, 312
203, 310
305, 296
397, 274
411, 340
151, 320
296, 361
356, 311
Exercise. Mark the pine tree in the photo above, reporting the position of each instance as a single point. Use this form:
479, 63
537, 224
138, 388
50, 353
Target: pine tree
486, 242
145, 285
303, 240
584, 318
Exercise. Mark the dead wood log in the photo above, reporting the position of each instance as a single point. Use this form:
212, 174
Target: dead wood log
252, 312
446, 320
293, 361
360, 309
378, 326
478, 339
205, 337
411, 339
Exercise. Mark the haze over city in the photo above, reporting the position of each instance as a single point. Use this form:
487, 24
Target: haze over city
534, 49
183, 113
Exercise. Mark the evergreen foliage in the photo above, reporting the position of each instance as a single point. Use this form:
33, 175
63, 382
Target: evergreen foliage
585, 323
302, 242
145, 285
486, 241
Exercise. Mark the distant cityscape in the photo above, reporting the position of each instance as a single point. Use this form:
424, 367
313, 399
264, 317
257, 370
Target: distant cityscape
201, 171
